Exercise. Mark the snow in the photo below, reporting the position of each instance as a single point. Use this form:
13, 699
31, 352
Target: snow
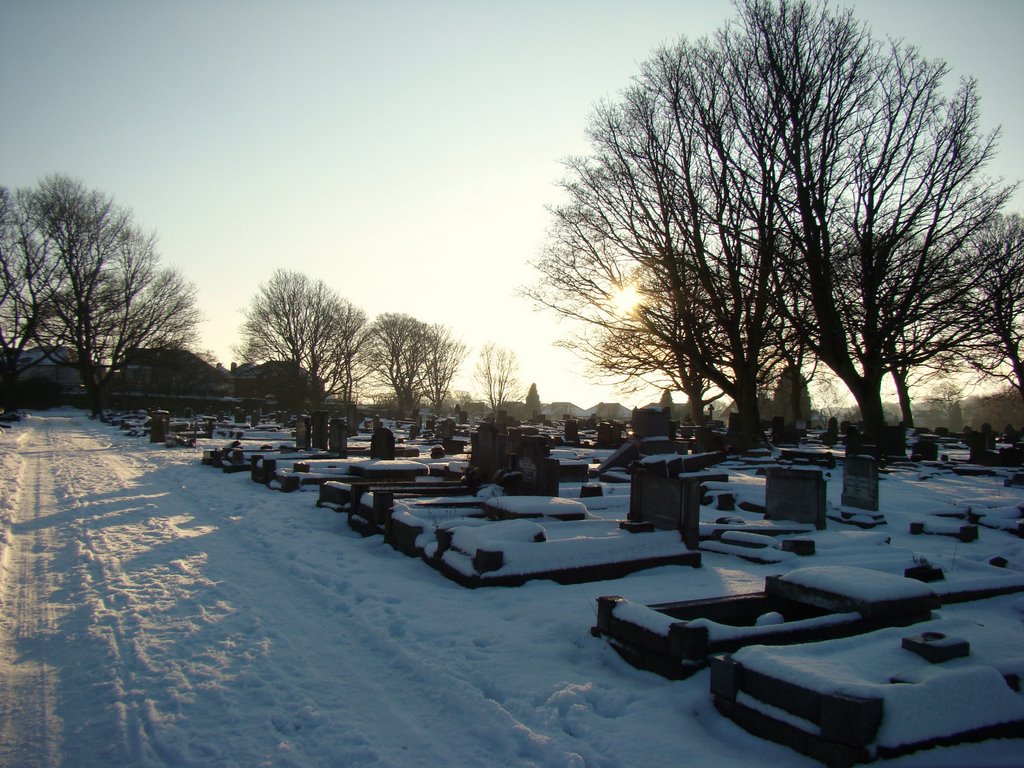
156, 612
858, 583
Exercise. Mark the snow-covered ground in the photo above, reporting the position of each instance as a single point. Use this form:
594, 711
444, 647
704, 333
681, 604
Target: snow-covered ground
156, 612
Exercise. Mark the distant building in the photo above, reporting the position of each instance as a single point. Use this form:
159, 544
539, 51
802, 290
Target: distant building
560, 410
610, 412
175, 373
54, 364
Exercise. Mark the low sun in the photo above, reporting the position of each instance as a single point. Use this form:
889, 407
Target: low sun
625, 300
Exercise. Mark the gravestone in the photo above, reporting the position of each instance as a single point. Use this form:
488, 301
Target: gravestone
159, 421
858, 445
894, 443
382, 444
990, 436
831, 435
539, 472
860, 483
669, 503
447, 429
796, 495
337, 438
303, 433
571, 432
320, 439
650, 422
927, 448
487, 451
608, 436
414, 430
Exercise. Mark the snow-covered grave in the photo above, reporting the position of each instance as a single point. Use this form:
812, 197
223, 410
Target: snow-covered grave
886, 694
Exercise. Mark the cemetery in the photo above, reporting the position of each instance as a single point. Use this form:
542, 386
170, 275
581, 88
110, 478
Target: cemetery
492, 505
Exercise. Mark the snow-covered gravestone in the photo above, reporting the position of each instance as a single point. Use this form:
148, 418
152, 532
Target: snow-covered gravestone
860, 483
796, 495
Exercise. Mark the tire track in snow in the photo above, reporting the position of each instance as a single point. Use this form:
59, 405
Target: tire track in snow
29, 729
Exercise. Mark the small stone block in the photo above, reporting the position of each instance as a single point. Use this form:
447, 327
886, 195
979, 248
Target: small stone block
488, 560
591, 490
850, 719
937, 647
725, 676
925, 573
968, 533
801, 547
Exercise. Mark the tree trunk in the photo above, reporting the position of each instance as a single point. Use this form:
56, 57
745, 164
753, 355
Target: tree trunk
868, 394
903, 391
750, 435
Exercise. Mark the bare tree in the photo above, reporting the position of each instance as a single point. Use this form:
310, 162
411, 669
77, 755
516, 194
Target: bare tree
26, 273
395, 353
108, 296
881, 190
497, 372
678, 204
443, 354
307, 326
997, 303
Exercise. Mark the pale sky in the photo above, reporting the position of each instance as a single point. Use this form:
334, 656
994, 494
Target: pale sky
403, 152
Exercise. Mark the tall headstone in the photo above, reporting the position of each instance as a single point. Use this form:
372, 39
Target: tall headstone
894, 443
319, 427
796, 495
831, 435
337, 439
860, 483
539, 472
303, 433
159, 421
608, 435
382, 444
487, 451
571, 432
